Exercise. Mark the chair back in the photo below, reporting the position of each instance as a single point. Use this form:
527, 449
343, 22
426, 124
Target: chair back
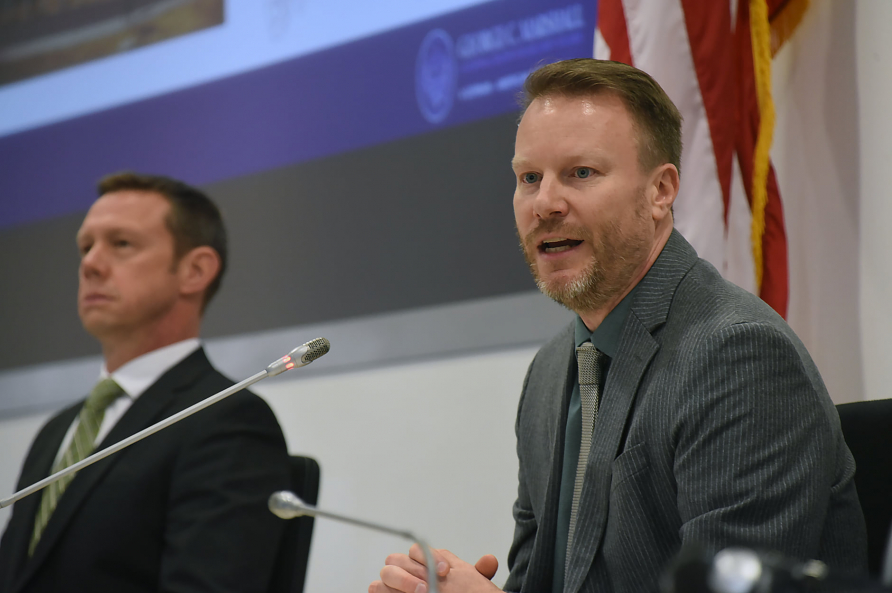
290, 570
867, 427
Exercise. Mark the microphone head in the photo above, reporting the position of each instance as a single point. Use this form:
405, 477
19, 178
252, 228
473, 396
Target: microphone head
735, 570
286, 505
741, 570
315, 349
299, 357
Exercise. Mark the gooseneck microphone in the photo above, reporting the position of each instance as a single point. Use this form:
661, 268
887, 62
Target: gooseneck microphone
299, 357
287, 505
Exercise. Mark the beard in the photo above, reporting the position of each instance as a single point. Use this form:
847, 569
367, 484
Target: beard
616, 255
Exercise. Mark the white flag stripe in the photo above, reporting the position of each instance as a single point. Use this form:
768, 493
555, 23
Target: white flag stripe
740, 267
602, 50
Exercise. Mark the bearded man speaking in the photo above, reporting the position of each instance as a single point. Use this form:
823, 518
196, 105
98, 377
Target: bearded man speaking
677, 408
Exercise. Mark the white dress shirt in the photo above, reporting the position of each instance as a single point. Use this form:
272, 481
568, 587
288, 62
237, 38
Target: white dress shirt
134, 378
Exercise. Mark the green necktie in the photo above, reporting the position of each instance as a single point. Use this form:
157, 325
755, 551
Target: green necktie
83, 443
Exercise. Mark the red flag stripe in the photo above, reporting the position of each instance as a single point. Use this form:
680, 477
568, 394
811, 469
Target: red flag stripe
775, 288
612, 23
708, 25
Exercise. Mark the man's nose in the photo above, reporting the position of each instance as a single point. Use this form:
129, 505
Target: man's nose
550, 199
94, 262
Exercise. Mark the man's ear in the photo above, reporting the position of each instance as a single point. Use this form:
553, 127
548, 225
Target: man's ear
663, 188
197, 269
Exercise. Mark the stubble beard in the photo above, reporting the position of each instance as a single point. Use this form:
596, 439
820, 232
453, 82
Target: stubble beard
608, 273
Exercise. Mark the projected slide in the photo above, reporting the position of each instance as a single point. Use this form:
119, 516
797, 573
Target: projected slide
39, 37
459, 67
361, 154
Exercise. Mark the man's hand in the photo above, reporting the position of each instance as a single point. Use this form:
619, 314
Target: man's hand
408, 574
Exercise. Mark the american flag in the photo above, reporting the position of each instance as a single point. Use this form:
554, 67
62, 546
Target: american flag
713, 58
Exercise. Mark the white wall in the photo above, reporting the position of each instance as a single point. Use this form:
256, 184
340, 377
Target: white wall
874, 54
427, 447
815, 153
832, 149
16, 435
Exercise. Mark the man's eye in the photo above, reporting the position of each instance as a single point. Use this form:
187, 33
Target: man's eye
584, 172
530, 177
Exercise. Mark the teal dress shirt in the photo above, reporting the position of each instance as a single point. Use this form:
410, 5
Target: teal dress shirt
606, 339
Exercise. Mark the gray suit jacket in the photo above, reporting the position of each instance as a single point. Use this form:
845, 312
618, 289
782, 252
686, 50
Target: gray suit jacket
714, 427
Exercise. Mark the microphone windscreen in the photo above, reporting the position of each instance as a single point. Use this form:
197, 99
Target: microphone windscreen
286, 505
315, 349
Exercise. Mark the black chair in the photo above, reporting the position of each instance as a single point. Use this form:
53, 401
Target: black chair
867, 427
290, 570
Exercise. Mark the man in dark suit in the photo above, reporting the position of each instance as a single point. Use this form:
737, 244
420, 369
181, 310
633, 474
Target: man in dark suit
677, 409
184, 509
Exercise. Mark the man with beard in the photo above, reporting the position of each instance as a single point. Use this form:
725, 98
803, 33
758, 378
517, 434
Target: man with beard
677, 409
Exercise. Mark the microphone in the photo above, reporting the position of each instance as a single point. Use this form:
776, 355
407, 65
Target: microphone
287, 505
738, 570
743, 570
299, 357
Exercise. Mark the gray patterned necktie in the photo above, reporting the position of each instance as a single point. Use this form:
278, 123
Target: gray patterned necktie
588, 358
82, 444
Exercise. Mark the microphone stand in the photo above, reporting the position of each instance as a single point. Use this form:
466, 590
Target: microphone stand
287, 505
300, 356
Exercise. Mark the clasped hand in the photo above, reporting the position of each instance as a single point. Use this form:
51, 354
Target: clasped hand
408, 574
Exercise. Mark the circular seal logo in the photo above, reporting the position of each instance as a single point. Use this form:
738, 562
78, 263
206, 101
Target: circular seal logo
436, 74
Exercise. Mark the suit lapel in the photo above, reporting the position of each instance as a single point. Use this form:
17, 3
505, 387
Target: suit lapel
150, 407
637, 347
37, 467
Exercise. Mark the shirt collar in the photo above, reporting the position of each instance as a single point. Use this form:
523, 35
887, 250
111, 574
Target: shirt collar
137, 375
606, 337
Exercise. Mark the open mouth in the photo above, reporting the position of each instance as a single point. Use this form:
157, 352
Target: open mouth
557, 244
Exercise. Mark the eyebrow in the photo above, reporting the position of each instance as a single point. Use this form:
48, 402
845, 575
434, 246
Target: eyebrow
111, 231
519, 163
